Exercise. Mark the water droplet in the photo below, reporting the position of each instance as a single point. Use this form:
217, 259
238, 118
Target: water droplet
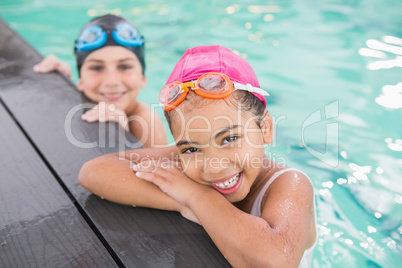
344, 155
363, 245
378, 215
337, 234
341, 181
379, 170
269, 17
328, 184
348, 241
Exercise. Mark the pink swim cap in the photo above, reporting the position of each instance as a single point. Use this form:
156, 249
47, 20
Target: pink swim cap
203, 59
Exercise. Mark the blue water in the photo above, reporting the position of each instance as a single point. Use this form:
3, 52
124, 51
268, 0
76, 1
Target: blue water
334, 71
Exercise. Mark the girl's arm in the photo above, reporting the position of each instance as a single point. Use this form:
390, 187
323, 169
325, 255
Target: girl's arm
111, 177
277, 239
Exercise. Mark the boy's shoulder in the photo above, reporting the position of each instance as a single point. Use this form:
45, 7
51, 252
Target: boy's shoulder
140, 109
143, 110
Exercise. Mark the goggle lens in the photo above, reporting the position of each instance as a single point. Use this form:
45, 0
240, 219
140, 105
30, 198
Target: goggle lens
94, 37
213, 84
126, 31
170, 93
127, 35
91, 38
91, 34
173, 93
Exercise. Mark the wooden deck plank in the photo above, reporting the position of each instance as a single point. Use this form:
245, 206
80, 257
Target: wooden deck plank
39, 224
41, 103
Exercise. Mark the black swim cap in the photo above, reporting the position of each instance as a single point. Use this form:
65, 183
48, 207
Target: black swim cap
108, 23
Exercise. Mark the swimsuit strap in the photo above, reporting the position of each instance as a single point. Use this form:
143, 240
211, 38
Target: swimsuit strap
256, 209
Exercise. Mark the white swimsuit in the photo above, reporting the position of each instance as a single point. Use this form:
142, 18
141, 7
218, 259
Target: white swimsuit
256, 211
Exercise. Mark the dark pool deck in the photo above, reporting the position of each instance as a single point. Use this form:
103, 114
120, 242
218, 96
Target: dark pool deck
46, 218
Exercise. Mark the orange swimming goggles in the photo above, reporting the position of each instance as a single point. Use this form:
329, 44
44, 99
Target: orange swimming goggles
211, 85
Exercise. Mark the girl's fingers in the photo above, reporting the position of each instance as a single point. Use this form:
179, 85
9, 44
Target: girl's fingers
170, 180
151, 177
166, 170
145, 166
161, 168
159, 181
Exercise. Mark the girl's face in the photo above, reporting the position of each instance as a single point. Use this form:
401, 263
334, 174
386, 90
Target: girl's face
112, 74
220, 146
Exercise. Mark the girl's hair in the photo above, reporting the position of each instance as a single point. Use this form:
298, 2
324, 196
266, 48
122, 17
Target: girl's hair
240, 99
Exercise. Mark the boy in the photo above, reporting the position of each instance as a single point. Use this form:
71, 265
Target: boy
110, 60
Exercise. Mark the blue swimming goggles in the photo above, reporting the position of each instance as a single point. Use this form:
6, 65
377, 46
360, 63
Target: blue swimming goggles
94, 37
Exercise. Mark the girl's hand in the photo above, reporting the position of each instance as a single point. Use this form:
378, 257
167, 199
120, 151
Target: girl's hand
52, 63
168, 176
106, 112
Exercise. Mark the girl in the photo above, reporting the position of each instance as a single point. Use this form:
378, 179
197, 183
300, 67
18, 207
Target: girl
258, 213
110, 60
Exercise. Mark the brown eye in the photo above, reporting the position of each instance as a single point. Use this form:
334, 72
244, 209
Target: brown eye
189, 150
230, 139
96, 68
125, 67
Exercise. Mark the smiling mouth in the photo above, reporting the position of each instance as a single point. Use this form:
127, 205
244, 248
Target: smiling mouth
229, 183
112, 96
228, 186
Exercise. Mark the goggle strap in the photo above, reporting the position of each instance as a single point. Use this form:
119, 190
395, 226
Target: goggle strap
189, 84
250, 88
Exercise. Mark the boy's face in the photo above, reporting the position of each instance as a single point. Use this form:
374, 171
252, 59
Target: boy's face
220, 146
112, 74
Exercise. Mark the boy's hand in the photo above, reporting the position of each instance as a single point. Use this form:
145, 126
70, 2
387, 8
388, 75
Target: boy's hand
52, 63
106, 112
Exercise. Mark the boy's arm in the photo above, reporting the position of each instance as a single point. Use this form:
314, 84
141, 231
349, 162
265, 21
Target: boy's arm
147, 126
111, 177
52, 63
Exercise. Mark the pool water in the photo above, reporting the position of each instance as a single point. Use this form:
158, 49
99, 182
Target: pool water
334, 72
